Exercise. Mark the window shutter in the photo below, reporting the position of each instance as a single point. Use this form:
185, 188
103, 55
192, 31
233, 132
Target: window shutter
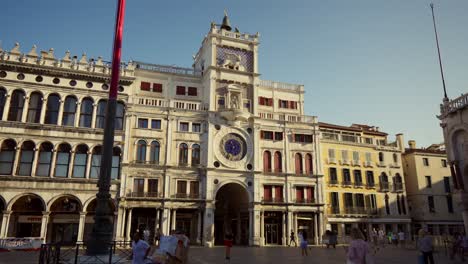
279, 104
157, 87
261, 134
145, 86
192, 91
260, 100
180, 90
270, 101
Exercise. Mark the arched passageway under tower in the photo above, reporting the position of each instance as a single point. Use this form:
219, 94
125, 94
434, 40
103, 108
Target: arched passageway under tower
232, 214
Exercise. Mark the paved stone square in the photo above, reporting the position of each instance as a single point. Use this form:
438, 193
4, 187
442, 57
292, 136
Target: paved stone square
265, 255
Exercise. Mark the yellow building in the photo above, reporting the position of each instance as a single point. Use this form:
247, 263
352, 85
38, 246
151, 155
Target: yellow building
432, 202
364, 183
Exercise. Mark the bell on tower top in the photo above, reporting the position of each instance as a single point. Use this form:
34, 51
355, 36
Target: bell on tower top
226, 24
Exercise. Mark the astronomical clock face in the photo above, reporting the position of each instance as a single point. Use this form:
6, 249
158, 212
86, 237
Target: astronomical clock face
233, 147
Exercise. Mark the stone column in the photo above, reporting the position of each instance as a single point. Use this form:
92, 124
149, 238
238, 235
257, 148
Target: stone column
199, 231
88, 165
129, 225
44, 223
77, 114
284, 237
320, 227
289, 226
6, 108
121, 234
5, 224
81, 226
72, 161
343, 233
118, 222
93, 117
35, 160
25, 109
16, 161
60, 113
315, 229
409, 236
52, 163
166, 226
208, 226
256, 229
173, 219
156, 221
262, 229
43, 110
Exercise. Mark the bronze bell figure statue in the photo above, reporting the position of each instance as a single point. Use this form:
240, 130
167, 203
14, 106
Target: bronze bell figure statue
226, 24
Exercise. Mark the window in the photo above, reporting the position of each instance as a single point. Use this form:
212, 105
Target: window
267, 190
7, 157
449, 204
349, 137
157, 88
79, 164
428, 182
265, 101
34, 108
195, 154
370, 178
381, 157
287, 104
447, 184
356, 156
278, 135
138, 186
403, 204
69, 111
141, 151
142, 123
357, 177
298, 163
86, 112
308, 164
180, 90
267, 161
96, 162
3, 95
184, 126
154, 152
331, 153
221, 101
145, 86
278, 162
344, 155
181, 189
444, 163
63, 160
115, 169
156, 124
395, 158
368, 140
194, 189
387, 205
266, 135
152, 188
52, 109
45, 159
368, 157
430, 203
359, 200
16, 106
196, 127
279, 197
26, 159
192, 91
299, 193
426, 161
333, 175
302, 138
348, 200
101, 113
346, 176
398, 204
334, 200
119, 116
183, 154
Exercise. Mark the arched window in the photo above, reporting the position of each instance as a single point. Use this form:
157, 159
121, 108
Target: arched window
119, 116
69, 111
86, 112
141, 151
383, 177
183, 154
381, 157
115, 170
298, 162
63, 160
16, 106
79, 164
387, 206
7, 157
308, 164
101, 113
195, 154
34, 108
3, 95
154, 152
395, 158
26, 159
278, 162
45, 159
96, 162
52, 109
267, 161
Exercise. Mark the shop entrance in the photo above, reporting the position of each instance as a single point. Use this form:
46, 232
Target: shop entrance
65, 218
27, 217
232, 214
273, 228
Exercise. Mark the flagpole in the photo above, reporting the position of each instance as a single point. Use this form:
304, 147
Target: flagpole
103, 226
438, 52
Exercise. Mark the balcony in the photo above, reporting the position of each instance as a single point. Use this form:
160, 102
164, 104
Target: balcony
331, 161
358, 184
346, 184
395, 165
334, 210
186, 196
398, 187
367, 164
355, 163
144, 195
355, 210
454, 105
381, 164
275, 200
345, 162
384, 187
332, 182
304, 201
370, 185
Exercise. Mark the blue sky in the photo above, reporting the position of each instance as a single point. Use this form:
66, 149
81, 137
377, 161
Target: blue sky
361, 61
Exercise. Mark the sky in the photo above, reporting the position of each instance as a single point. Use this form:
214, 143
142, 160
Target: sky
363, 61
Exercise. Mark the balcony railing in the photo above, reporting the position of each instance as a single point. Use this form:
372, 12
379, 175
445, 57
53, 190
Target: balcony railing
280, 85
358, 184
304, 201
331, 161
334, 210
381, 164
273, 200
398, 187
367, 163
394, 165
144, 195
345, 162
454, 105
167, 69
346, 183
384, 186
186, 196
370, 185
333, 182
355, 210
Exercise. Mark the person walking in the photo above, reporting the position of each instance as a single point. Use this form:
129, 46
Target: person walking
382, 237
395, 239
292, 238
303, 242
228, 239
358, 250
425, 247
140, 250
157, 237
401, 238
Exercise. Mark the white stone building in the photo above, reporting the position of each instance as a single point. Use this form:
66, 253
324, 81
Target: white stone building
208, 150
